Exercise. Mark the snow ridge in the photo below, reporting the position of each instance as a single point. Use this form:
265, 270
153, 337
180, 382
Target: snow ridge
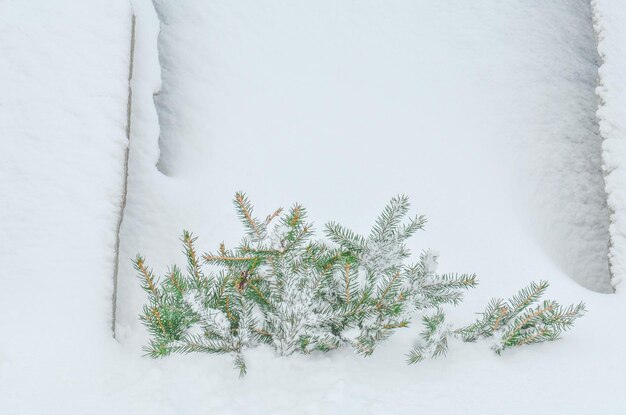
608, 18
125, 185
143, 179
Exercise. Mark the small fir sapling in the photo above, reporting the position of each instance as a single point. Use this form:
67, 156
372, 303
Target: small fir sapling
283, 288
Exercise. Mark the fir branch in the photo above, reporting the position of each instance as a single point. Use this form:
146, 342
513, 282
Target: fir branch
514, 321
157, 316
244, 210
149, 283
415, 224
173, 276
527, 296
273, 216
295, 216
193, 265
504, 311
435, 338
530, 317
200, 344
388, 286
344, 237
387, 223
240, 364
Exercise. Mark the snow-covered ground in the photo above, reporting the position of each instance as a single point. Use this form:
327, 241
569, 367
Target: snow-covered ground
482, 113
348, 104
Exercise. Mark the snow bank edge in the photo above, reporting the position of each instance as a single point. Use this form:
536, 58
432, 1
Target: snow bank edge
607, 16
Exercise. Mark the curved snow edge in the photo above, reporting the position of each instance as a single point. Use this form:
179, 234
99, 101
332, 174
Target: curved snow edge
609, 17
143, 133
125, 184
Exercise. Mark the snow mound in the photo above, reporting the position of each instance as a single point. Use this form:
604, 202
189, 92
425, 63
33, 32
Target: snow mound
63, 116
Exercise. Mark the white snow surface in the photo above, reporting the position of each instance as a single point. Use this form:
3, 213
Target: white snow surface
351, 103
609, 16
63, 109
482, 113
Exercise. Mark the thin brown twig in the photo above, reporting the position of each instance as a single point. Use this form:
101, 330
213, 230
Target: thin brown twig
147, 275
347, 277
228, 314
157, 315
503, 312
273, 216
227, 258
538, 312
531, 338
262, 332
379, 304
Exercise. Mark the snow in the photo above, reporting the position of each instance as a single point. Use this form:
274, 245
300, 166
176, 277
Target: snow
608, 16
283, 81
482, 113
63, 118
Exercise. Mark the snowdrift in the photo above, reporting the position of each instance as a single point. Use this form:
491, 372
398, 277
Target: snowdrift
64, 67
609, 17
483, 114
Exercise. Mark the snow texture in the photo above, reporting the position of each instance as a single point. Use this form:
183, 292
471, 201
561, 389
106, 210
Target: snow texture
427, 99
482, 113
609, 17
63, 116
